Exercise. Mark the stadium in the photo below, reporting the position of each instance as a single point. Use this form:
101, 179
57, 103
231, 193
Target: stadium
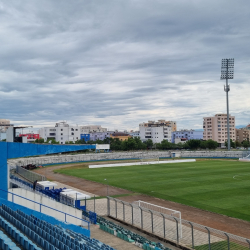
126, 200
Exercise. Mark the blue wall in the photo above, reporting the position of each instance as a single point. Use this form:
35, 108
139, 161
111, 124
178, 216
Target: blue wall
3, 169
10, 150
86, 137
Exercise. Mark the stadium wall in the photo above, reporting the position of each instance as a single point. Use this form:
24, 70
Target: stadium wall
45, 217
59, 159
47, 202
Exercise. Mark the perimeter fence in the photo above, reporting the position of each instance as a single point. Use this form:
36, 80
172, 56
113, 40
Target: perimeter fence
167, 226
29, 175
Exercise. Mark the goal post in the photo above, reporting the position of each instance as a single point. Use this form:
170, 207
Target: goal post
149, 160
163, 211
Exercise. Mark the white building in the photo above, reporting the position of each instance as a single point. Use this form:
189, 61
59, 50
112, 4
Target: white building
4, 124
62, 132
2, 136
157, 132
134, 133
185, 135
92, 129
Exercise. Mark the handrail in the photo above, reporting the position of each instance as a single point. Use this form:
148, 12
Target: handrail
47, 207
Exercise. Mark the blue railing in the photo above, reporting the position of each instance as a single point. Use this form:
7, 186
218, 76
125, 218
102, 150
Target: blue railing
41, 205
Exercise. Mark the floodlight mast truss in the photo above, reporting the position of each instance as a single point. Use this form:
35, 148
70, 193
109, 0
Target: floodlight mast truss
227, 72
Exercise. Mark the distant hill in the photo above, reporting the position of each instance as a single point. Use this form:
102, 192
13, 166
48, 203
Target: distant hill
240, 126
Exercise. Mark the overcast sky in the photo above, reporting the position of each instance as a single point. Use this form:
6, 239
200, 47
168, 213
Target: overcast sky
120, 63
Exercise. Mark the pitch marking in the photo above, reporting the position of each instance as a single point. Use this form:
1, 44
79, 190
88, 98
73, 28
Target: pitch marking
234, 177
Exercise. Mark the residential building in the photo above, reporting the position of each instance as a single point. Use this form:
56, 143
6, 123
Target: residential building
85, 137
248, 126
4, 124
100, 135
242, 134
134, 133
157, 131
120, 135
62, 132
92, 129
31, 137
185, 135
2, 135
215, 128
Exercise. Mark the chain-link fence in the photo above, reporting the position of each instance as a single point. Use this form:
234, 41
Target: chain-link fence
29, 175
172, 228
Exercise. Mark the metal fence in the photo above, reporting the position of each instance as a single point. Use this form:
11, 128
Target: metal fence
29, 175
182, 232
54, 159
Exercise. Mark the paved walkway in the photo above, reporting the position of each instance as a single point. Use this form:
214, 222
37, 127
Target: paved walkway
142, 234
110, 239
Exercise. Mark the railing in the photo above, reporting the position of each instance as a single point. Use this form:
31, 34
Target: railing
31, 176
84, 223
191, 235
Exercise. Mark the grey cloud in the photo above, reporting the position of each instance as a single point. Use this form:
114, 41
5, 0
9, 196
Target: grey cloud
89, 62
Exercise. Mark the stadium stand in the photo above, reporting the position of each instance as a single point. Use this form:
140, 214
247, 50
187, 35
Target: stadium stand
128, 235
30, 232
104, 224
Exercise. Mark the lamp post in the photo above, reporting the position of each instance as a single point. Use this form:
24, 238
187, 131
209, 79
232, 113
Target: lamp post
107, 187
227, 72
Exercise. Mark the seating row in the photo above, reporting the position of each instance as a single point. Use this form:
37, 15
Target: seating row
50, 236
128, 235
21, 239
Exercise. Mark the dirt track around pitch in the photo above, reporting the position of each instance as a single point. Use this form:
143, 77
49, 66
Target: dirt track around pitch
206, 218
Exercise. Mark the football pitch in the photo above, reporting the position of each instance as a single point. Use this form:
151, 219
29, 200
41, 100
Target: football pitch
220, 186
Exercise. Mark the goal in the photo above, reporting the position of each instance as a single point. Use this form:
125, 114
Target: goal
149, 160
167, 212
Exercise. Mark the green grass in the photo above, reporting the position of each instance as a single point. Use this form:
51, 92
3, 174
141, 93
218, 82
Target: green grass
205, 184
222, 245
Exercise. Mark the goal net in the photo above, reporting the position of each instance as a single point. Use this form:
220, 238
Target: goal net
168, 213
149, 160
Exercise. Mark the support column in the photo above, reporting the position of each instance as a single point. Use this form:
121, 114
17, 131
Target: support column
3, 170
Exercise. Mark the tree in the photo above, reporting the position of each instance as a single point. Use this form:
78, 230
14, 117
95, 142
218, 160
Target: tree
193, 143
211, 144
238, 144
203, 144
52, 141
68, 142
81, 141
149, 143
232, 143
245, 144
40, 140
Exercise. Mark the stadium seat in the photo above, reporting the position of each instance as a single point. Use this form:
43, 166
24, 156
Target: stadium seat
44, 234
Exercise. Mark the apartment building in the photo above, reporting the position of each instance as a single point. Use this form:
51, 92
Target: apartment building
100, 135
242, 134
215, 128
134, 133
4, 124
31, 137
157, 131
2, 135
92, 129
185, 135
120, 135
62, 132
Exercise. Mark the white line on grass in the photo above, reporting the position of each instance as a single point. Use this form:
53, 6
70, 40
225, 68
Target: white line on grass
239, 175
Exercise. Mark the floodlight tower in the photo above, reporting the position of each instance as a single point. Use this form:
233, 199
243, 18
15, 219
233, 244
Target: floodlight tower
227, 72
